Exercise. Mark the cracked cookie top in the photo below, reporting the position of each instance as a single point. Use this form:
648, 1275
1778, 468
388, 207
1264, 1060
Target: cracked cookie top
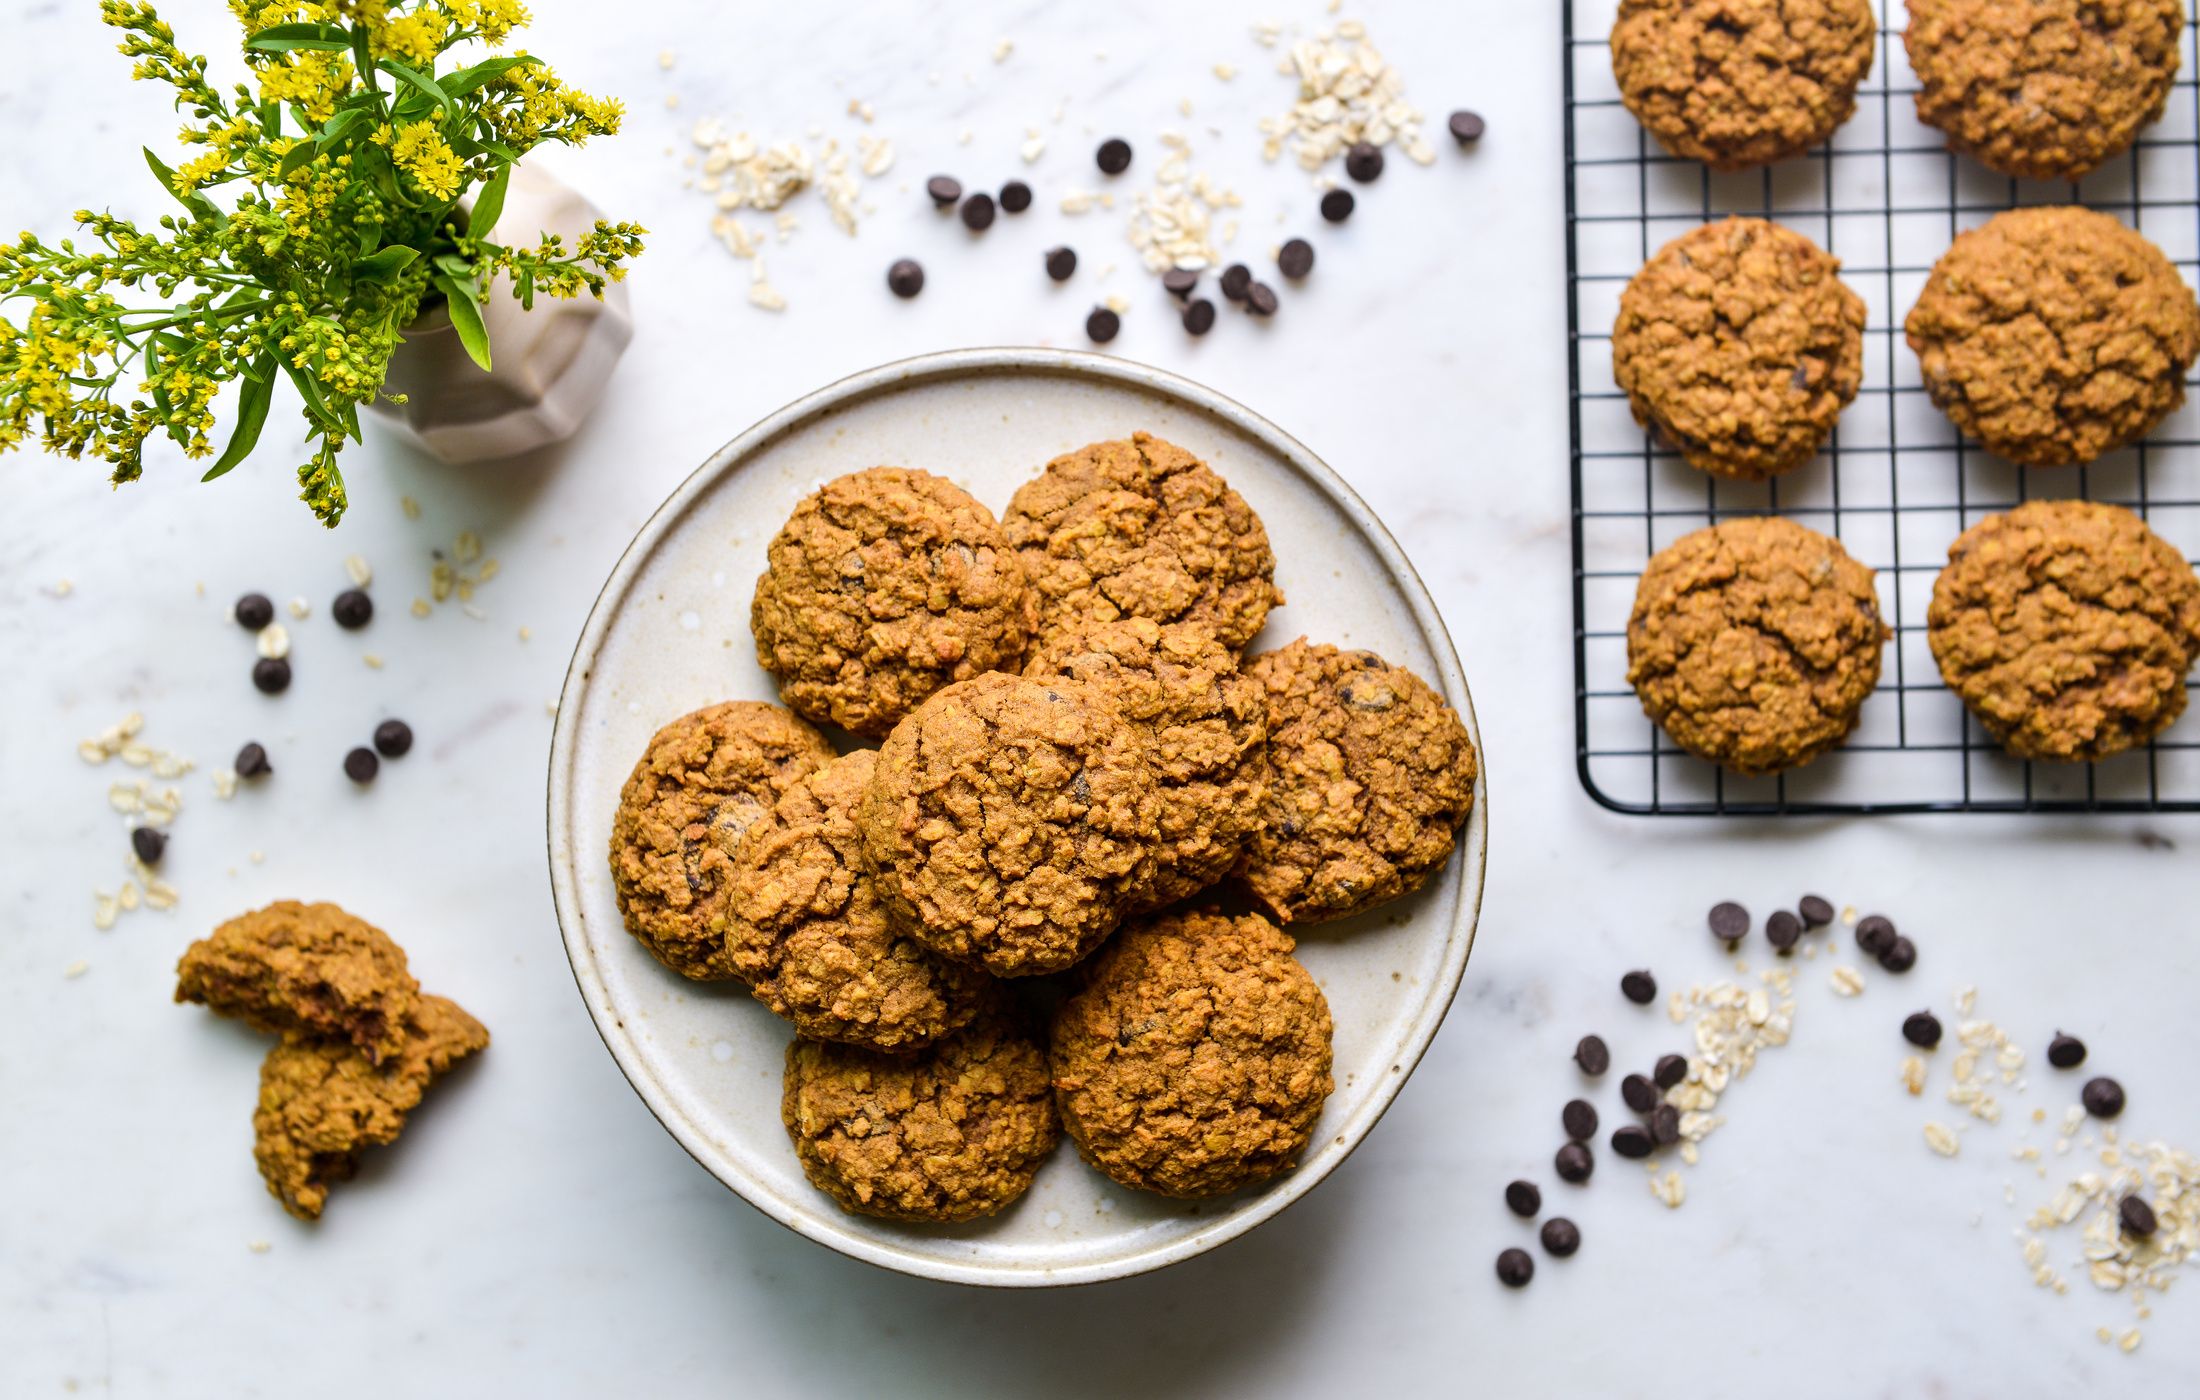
703, 780
2067, 627
884, 586
1755, 642
1141, 528
310, 969
2054, 334
1740, 345
808, 933
1741, 83
1195, 1056
1371, 775
1010, 822
2047, 89
953, 1132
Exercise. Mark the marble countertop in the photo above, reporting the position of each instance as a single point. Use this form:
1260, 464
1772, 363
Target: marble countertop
537, 1233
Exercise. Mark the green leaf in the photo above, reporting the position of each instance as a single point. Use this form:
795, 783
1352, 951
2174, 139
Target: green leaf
197, 203
489, 204
464, 304
465, 80
327, 38
310, 391
252, 402
296, 158
381, 266
423, 82
455, 266
338, 126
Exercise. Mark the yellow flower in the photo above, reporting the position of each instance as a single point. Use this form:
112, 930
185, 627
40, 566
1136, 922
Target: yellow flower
197, 172
421, 152
494, 19
315, 81
416, 38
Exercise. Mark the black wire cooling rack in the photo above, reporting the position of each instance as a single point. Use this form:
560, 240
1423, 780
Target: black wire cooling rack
1896, 483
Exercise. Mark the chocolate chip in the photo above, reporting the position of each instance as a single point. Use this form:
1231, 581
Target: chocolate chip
1922, 1029
1638, 1093
1783, 930
1260, 299
1235, 279
1665, 1124
1561, 1237
148, 843
1102, 325
1179, 281
1816, 911
1199, 317
271, 674
1592, 1055
1467, 127
2065, 1051
353, 609
1515, 1268
393, 738
253, 611
2137, 1217
1061, 262
1729, 922
360, 765
251, 762
1364, 161
945, 190
1632, 1142
1337, 206
1524, 1199
1669, 1071
977, 212
1638, 987
1573, 1163
1296, 258
1114, 156
1015, 197
2103, 1097
905, 278
1874, 932
1579, 1118
1898, 956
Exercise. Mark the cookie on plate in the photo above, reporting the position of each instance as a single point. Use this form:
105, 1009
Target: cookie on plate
1141, 528
1194, 1057
1010, 822
884, 586
807, 931
1742, 83
1754, 643
703, 780
953, 1132
307, 969
2054, 334
1206, 729
2067, 627
1371, 775
1739, 345
2043, 88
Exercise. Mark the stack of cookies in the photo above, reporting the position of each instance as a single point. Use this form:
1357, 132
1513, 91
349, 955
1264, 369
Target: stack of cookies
1074, 762
2051, 334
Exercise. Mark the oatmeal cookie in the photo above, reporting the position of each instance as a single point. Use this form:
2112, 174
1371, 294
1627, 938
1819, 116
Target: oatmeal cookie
809, 935
2067, 627
884, 586
1754, 643
1011, 821
307, 968
323, 1102
1740, 345
1741, 83
1206, 729
2055, 334
1141, 528
953, 1132
705, 778
1194, 1057
1371, 775
2043, 88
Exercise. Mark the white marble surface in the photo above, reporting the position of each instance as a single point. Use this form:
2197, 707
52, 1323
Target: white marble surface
537, 1234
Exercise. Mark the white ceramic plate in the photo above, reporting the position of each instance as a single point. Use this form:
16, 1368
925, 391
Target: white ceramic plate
670, 633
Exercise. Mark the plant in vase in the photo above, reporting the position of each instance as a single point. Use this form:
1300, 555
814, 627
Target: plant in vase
360, 183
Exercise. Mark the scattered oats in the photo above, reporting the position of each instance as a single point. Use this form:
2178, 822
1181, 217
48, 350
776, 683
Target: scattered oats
1347, 94
467, 547
442, 578
225, 783
1669, 1188
2129, 1341
1225, 72
762, 293
1079, 201
473, 612
300, 609
1847, 981
126, 798
262, 1246
875, 155
136, 755
965, 137
159, 894
1913, 1074
105, 908
63, 588
1848, 915
1118, 303
861, 110
1170, 224
526, 633
409, 506
1035, 146
1266, 33
90, 751
1184, 106
420, 607
1003, 49
665, 60
273, 641
126, 898
1942, 1139
76, 969
256, 857
373, 661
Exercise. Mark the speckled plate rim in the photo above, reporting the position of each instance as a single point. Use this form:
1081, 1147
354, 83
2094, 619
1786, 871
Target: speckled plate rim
1242, 1215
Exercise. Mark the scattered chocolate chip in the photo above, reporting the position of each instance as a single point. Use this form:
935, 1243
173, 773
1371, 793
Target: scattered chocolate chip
251, 762
271, 674
1922, 1029
1295, 259
945, 190
1729, 922
1114, 156
353, 609
1638, 987
1874, 932
905, 278
1638, 1093
1364, 162
1102, 325
977, 212
1467, 127
1524, 1199
1898, 956
1337, 206
1592, 1055
1260, 299
1015, 197
1783, 930
1573, 1163
393, 738
254, 611
1816, 911
1561, 1237
1179, 281
360, 765
1515, 1268
1669, 1071
2137, 1217
148, 842
1665, 1124
1199, 316
1061, 262
1632, 1142
2065, 1051
1579, 1118
2103, 1097
1235, 279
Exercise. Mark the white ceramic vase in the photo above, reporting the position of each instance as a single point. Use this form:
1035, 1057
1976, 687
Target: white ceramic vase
549, 365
